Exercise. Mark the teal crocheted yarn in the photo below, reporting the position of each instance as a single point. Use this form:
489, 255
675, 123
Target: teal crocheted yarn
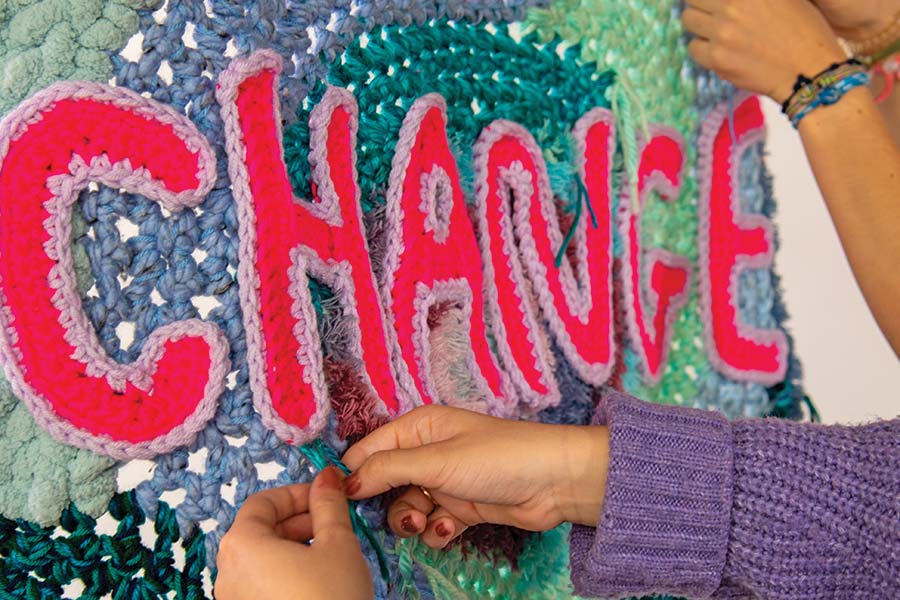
44, 562
540, 573
483, 72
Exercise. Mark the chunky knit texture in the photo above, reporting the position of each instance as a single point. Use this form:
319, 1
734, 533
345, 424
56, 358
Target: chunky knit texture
700, 507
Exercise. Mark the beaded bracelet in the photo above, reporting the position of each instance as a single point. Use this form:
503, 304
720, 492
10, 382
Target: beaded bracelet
825, 89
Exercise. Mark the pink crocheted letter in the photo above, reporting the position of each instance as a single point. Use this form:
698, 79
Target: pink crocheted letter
575, 296
505, 171
285, 240
731, 241
51, 148
432, 256
656, 281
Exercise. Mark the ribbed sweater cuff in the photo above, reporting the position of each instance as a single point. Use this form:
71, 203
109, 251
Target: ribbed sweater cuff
665, 520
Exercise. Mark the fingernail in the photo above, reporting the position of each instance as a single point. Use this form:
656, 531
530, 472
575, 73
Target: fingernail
406, 523
329, 479
441, 529
352, 485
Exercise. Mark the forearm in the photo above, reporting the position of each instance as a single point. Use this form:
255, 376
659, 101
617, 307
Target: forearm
857, 166
697, 506
815, 511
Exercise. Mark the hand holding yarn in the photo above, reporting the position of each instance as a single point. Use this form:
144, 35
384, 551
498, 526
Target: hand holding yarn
263, 554
479, 469
761, 46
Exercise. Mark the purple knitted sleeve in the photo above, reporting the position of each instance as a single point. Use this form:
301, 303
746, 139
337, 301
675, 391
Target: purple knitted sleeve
700, 507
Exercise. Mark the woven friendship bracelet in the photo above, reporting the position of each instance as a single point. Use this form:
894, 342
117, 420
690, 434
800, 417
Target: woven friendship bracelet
824, 89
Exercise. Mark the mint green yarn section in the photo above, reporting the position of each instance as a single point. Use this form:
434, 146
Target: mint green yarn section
484, 72
642, 41
542, 572
39, 476
43, 41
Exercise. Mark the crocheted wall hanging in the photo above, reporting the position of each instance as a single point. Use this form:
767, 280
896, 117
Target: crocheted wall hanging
237, 236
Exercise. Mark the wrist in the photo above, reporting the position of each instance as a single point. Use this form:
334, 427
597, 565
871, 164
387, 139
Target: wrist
807, 65
580, 491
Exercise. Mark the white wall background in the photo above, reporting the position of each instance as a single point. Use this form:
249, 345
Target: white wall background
851, 373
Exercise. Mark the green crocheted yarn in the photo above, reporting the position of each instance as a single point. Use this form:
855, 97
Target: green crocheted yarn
541, 572
482, 71
37, 562
40, 476
48, 40
627, 37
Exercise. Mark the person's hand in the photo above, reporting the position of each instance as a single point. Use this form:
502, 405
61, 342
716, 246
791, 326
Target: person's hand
263, 555
761, 45
859, 19
480, 469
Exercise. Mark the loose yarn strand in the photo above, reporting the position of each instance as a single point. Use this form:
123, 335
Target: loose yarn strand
322, 456
582, 198
625, 102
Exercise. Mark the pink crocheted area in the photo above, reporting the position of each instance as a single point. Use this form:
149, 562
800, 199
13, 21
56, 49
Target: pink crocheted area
729, 242
653, 300
53, 146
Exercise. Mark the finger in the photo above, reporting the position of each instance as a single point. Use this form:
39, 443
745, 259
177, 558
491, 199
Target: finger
297, 528
442, 527
390, 469
329, 509
408, 514
264, 510
415, 428
700, 51
707, 6
700, 23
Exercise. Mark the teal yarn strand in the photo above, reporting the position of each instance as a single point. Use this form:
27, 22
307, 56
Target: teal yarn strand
587, 201
582, 199
322, 456
786, 404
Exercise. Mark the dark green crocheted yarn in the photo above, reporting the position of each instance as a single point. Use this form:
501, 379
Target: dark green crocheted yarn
37, 563
483, 73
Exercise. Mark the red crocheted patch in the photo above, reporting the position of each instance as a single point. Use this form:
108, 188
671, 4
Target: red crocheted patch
730, 241
651, 313
284, 240
54, 145
575, 298
496, 274
424, 268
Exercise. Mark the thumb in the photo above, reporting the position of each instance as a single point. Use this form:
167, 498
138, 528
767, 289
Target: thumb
329, 510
